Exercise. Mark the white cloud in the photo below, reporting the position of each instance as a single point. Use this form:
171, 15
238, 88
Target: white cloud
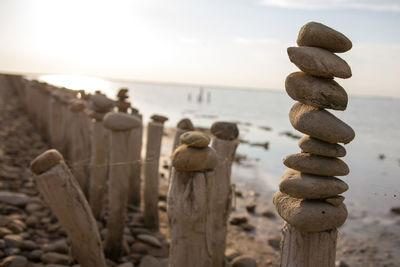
330, 4
189, 40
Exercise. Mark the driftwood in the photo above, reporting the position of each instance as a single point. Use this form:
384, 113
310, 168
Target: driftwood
120, 125
301, 249
135, 150
62, 193
151, 164
222, 196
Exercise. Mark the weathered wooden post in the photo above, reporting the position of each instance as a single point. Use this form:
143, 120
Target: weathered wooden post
135, 150
99, 105
120, 125
62, 193
224, 143
155, 130
189, 202
309, 199
79, 142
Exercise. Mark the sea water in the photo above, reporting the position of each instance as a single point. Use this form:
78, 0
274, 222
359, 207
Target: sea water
262, 116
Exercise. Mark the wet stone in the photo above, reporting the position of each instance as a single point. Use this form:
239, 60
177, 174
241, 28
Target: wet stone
319, 62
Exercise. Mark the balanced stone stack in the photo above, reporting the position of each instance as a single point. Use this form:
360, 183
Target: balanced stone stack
309, 199
122, 102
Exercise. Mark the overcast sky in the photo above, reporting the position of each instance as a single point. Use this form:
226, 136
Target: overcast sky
238, 43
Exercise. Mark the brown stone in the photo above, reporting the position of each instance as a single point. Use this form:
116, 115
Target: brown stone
96, 115
308, 186
312, 164
319, 62
318, 147
77, 105
320, 124
101, 103
117, 121
314, 91
225, 130
45, 161
309, 215
319, 35
185, 124
187, 158
335, 201
195, 139
159, 118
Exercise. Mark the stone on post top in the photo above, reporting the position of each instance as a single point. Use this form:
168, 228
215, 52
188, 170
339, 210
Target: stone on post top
46, 161
195, 139
320, 35
225, 130
101, 103
188, 159
185, 124
309, 215
122, 94
159, 118
117, 121
76, 105
98, 116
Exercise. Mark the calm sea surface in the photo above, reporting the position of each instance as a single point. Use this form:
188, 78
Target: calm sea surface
374, 182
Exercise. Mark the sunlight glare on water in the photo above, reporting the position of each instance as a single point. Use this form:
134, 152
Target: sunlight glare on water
89, 84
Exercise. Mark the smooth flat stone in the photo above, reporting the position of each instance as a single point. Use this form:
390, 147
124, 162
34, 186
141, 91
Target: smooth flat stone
308, 186
187, 158
335, 201
316, 92
225, 130
319, 62
195, 139
320, 35
185, 124
312, 164
117, 121
320, 124
14, 198
101, 102
309, 215
46, 161
159, 118
321, 148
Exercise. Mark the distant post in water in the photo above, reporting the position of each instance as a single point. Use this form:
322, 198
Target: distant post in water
63, 194
120, 125
154, 135
99, 105
224, 143
189, 202
309, 197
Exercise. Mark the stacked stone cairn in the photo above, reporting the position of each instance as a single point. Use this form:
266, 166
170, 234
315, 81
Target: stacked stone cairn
309, 199
122, 103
